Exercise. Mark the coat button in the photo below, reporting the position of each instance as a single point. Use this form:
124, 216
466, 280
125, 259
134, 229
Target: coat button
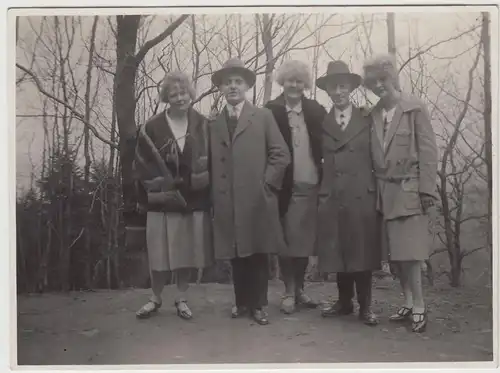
224, 176
223, 159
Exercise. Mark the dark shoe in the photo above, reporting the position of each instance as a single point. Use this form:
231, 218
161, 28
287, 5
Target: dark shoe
419, 322
305, 300
147, 310
402, 314
183, 310
238, 311
287, 304
368, 317
338, 309
260, 317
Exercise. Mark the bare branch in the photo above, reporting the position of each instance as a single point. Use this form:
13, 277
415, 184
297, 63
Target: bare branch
158, 39
463, 254
424, 51
66, 105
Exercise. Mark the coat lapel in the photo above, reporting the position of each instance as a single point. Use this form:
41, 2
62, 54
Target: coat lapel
244, 120
377, 137
355, 126
393, 127
220, 126
331, 127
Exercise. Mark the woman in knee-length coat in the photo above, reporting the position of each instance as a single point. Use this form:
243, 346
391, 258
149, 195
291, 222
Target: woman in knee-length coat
405, 159
299, 120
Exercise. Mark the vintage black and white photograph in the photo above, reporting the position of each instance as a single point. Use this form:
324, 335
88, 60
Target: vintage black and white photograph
254, 185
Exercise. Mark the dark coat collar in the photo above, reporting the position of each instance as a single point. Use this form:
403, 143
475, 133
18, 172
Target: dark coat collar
280, 101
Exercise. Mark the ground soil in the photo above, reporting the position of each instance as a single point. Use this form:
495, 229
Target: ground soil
100, 328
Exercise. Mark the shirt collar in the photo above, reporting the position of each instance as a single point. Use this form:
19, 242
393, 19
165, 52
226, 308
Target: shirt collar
238, 108
296, 109
347, 111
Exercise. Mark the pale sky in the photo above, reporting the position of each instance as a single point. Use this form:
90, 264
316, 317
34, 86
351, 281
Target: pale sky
414, 31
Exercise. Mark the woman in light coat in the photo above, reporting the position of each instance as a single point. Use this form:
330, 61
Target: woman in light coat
404, 153
299, 120
171, 166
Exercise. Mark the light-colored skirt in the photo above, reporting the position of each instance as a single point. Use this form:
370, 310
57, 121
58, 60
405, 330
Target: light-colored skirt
177, 240
300, 221
408, 238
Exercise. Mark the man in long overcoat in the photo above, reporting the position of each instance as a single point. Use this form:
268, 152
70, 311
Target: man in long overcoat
248, 158
350, 225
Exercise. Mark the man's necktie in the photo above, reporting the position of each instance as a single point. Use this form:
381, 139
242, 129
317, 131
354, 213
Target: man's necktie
232, 120
386, 125
342, 121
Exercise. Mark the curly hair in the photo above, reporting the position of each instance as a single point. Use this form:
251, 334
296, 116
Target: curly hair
381, 66
294, 69
172, 78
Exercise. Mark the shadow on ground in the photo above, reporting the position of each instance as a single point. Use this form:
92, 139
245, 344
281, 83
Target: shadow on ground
100, 328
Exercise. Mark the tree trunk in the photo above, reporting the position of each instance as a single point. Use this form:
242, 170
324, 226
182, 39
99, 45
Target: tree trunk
86, 149
456, 270
429, 273
254, 101
268, 48
485, 36
124, 102
66, 175
391, 34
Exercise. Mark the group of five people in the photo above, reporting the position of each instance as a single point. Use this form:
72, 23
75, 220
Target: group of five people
352, 187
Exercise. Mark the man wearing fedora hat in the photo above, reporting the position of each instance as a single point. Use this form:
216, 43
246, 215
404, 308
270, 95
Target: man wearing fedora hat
349, 229
248, 158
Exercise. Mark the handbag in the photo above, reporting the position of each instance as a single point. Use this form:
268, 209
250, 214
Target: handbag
170, 199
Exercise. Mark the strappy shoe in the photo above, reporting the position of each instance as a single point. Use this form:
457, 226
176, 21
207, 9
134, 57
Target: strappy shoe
148, 309
402, 314
183, 310
288, 304
419, 322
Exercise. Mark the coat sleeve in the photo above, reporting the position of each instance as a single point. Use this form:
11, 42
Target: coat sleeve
200, 172
278, 155
427, 152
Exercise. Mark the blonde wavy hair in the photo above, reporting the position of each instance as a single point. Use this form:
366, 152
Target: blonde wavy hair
176, 77
381, 66
294, 69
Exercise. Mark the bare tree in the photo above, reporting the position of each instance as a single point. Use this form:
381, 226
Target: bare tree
486, 41
452, 232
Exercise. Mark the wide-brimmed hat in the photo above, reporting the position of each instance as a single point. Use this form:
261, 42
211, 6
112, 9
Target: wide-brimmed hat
336, 70
234, 66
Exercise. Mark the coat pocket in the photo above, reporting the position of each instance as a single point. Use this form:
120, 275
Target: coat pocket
402, 138
412, 201
410, 185
411, 195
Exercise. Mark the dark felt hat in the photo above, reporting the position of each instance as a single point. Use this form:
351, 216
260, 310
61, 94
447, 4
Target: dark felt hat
335, 70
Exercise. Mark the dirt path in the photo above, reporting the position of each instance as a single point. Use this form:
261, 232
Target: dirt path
100, 328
